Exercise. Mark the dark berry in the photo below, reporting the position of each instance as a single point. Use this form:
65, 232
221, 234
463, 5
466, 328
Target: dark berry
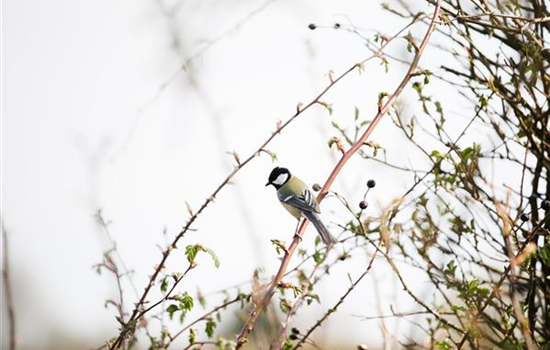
295, 330
363, 205
316, 187
545, 204
312, 26
371, 183
293, 337
336, 25
524, 217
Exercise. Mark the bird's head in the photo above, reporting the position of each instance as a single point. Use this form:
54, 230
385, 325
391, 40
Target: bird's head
278, 177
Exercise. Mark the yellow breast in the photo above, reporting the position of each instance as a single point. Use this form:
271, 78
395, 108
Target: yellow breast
293, 211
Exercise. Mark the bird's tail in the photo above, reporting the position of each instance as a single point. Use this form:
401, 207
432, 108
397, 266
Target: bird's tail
326, 237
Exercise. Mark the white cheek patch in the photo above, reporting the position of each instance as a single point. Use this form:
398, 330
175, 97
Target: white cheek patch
281, 179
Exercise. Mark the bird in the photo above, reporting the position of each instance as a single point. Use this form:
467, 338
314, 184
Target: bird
298, 200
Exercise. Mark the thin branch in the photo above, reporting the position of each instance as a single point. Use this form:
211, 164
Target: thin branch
171, 13
7, 290
396, 315
203, 317
335, 307
241, 164
249, 325
498, 285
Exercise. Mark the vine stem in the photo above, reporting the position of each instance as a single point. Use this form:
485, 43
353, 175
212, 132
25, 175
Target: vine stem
255, 314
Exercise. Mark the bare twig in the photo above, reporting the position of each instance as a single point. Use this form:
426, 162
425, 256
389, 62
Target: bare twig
208, 44
309, 282
203, 317
299, 111
338, 303
498, 285
394, 315
249, 325
7, 290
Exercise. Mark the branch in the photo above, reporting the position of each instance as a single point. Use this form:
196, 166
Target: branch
299, 111
7, 290
496, 288
203, 317
249, 325
335, 307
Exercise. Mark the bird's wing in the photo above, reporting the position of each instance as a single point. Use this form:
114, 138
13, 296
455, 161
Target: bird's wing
304, 201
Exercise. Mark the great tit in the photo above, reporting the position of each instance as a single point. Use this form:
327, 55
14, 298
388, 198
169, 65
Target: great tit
297, 199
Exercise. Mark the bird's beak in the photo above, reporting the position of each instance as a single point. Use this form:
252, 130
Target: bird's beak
267, 184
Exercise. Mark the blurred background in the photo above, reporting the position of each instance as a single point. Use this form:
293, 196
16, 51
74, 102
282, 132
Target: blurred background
131, 107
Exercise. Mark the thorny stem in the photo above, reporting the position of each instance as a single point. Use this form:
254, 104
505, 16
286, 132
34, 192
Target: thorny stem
169, 293
250, 323
241, 164
335, 307
310, 281
203, 317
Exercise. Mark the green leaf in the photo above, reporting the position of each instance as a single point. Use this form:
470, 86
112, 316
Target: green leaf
427, 75
210, 327
280, 246
171, 309
451, 268
410, 42
473, 284
164, 284
285, 305
483, 101
186, 301
328, 106
384, 62
214, 257
312, 297
544, 254
443, 345
288, 345
317, 240
332, 141
191, 252
201, 299
318, 257
192, 336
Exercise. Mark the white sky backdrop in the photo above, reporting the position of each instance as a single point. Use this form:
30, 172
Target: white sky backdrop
75, 137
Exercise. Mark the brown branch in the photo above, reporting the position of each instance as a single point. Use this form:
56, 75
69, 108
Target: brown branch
299, 111
112, 260
310, 281
501, 15
249, 325
523, 322
7, 290
496, 288
169, 293
200, 344
406, 288
211, 198
203, 317
396, 315
335, 307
